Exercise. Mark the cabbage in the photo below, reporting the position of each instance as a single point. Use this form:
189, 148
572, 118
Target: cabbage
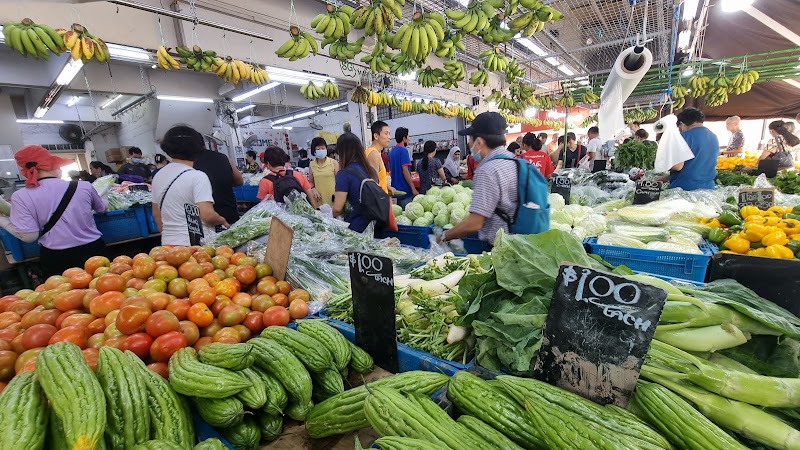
427, 201
577, 212
441, 219
644, 215
458, 188
438, 207
454, 206
580, 233
594, 224
462, 198
560, 226
397, 210
428, 216
457, 215
556, 201
422, 222
434, 190
414, 210
403, 220
447, 193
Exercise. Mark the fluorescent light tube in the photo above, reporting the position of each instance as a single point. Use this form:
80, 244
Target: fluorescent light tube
245, 108
184, 99
408, 76
69, 71
110, 101
294, 77
566, 70
2, 37
73, 101
552, 61
39, 121
527, 43
128, 53
255, 91
281, 128
331, 107
40, 112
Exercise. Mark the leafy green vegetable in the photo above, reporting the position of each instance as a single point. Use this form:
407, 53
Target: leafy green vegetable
735, 177
635, 154
775, 356
788, 182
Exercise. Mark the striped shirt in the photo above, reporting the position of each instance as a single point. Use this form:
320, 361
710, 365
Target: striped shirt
495, 188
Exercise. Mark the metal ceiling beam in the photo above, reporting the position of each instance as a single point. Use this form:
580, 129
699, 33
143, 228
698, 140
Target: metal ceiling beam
595, 46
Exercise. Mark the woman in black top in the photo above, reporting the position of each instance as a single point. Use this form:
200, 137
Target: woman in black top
429, 167
304, 162
223, 176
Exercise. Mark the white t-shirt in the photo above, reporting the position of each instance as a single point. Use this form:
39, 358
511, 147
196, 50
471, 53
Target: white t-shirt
190, 188
596, 147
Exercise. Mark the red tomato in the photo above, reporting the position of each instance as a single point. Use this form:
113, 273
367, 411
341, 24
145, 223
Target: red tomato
106, 302
136, 283
261, 302
124, 259
66, 314
276, 315
80, 280
232, 315
254, 321
8, 335
245, 274
91, 355
37, 336
298, 309
179, 307
16, 344
95, 262
228, 287
212, 279
114, 341
76, 335
97, 326
7, 300
144, 267
9, 317
69, 300
283, 287
243, 299
227, 335
138, 343
280, 299
35, 317
200, 315
96, 340
178, 287
54, 281
225, 250
89, 296
191, 331
178, 255
220, 303
110, 282
244, 332
162, 322
158, 300
197, 283
21, 307
203, 295
191, 270
5, 345
202, 342
131, 318
78, 320
7, 361
119, 268
165, 345
160, 368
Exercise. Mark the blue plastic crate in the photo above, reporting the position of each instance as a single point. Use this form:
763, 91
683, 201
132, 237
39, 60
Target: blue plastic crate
411, 235
246, 193
152, 226
669, 264
474, 245
409, 358
122, 225
20, 251
204, 431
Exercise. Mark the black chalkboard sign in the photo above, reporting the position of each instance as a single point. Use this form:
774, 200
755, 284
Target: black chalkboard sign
599, 165
763, 198
194, 223
562, 185
597, 333
647, 191
372, 283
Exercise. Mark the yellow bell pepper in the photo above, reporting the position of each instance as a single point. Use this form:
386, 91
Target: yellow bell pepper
772, 220
775, 238
768, 214
758, 252
779, 251
748, 211
790, 226
711, 223
755, 232
755, 218
779, 210
737, 245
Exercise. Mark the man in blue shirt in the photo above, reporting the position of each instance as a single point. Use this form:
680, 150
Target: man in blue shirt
400, 167
699, 172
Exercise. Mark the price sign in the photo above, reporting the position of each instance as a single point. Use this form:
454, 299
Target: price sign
562, 186
193, 223
372, 282
279, 245
763, 198
597, 333
647, 191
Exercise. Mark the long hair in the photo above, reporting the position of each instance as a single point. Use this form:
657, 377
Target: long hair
779, 127
428, 148
351, 150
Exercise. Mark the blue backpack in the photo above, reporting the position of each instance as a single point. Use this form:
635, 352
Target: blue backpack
533, 210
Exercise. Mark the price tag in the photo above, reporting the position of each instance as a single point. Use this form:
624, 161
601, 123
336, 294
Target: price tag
372, 283
597, 333
763, 198
647, 191
562, 186
193, 223
279, 245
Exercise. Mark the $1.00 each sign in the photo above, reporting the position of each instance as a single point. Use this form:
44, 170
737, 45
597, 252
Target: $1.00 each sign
597, 333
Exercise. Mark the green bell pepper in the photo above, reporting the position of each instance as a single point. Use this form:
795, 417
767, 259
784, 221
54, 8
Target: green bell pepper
796, 210
730, 218
794, 246
717, 235
736, 229
792, 215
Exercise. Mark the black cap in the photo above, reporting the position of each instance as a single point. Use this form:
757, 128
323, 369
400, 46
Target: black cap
485, 124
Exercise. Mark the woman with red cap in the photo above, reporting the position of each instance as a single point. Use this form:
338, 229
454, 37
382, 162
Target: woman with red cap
56, 211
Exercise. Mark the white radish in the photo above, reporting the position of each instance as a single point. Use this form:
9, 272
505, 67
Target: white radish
457, 333
438, 286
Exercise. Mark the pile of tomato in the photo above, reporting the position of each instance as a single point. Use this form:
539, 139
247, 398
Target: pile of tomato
152, 304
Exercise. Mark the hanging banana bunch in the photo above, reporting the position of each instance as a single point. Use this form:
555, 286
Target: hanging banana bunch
449, 44
311, 91
232, 70
523, 94
420, 37
359, 95
377, 16
514, 71
699, 85
379, 60
495, 33
479, 78
566, 101
743, 82
82, 45
589, 97
37, 40
453, 73
197, 59
343, 50
494, 60
511, 8
535, 18
678, 102
547, 102
429, 77
401, 64
475, 19
335, 23
259, 76
405, 106
299, 45
165, 60
679, 91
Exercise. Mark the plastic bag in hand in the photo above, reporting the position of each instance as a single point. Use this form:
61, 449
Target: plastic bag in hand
672, 148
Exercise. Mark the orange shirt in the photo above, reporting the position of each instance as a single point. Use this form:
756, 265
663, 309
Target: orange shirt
382, 170
265, 186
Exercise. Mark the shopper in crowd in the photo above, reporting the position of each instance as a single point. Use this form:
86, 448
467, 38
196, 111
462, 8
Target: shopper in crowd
735, 145
643, 136
429, 168
355, 168
281, 182
594, 148
135, 167
86, 176
559, 146
224, 175
552, 147
700, 171
781, 146
160, 161
542, 137
322, 173
251, 163
452, 166
179, 186
380, 139
534, 155
634, 126
56, 212
98, 169
495, 188
400, 167
303, 162
472, 165
515, 148
571, 154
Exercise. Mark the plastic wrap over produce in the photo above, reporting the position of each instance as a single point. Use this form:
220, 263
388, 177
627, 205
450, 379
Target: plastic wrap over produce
672, 148
628, 70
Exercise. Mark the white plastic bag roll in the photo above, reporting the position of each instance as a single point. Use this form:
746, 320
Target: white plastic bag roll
619, 85
672, 148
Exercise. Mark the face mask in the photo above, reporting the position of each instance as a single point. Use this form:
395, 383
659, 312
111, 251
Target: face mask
136, 160
321, 154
